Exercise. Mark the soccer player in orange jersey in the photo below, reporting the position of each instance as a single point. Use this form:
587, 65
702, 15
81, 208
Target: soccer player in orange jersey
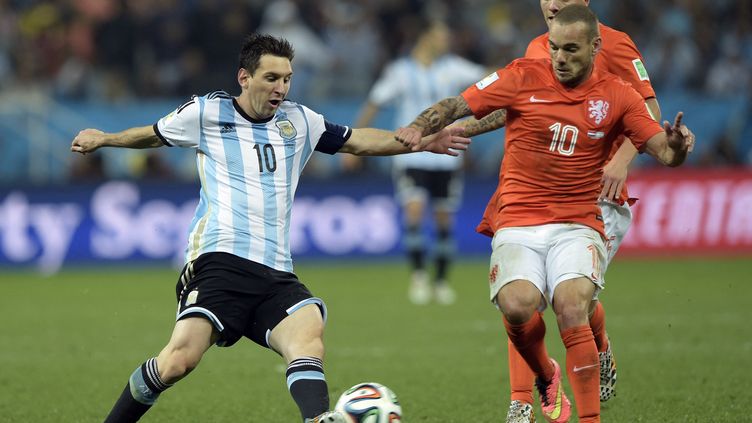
563, 116
620, 56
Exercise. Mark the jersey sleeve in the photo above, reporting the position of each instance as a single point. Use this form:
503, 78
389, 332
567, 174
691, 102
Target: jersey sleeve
326, 136
639, 126
333, 137
496, 91
182, 126
388, 87
625, 61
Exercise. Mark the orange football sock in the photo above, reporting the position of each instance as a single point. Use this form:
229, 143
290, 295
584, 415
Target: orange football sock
528, 339
598, 325
521, 378
583, 371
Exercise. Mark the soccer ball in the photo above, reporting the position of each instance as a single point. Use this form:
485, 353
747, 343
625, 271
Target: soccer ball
370, 402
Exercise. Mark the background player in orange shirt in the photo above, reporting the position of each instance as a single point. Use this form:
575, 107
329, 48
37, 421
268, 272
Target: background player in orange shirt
563, 116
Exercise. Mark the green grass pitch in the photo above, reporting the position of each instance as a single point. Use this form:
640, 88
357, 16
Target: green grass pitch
680, 330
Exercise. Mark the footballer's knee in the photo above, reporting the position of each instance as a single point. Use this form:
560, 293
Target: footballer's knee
573, 300
444, 219
413, 211
572, 314
175, 363
307, 346
518, 300
300, 334
307, 341
518, 315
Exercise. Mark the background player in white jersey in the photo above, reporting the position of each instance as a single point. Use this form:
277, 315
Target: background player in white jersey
411, 84
238, 280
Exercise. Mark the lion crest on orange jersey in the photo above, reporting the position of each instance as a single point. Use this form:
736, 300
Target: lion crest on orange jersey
598, 110
493, 274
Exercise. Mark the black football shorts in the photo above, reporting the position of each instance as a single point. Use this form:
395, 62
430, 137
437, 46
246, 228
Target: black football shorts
240, 297
442, 187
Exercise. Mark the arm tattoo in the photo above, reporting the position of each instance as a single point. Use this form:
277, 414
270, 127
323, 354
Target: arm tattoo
491, 121
441, 114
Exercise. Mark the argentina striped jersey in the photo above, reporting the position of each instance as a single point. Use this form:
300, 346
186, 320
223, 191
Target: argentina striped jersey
249, 172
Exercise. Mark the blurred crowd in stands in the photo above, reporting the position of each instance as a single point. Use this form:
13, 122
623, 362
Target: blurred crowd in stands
122, 50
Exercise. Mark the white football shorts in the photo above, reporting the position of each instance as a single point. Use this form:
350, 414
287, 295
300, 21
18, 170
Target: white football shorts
546, 255
616, 222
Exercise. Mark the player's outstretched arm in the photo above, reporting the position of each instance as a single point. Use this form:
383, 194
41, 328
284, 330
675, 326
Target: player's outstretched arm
350, 162
433, 119
377, 142
672, 146
89, 140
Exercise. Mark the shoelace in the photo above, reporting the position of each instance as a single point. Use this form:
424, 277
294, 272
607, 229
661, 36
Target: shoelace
542, 388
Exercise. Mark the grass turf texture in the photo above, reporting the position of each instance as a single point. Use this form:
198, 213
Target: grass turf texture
680, 331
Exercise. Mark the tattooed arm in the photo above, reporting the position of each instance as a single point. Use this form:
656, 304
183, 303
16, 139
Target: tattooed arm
441, 114
433, 119
490, 122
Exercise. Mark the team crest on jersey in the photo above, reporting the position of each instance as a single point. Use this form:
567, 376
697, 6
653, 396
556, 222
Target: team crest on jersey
286, 129
493, 274
598, 110
192, 297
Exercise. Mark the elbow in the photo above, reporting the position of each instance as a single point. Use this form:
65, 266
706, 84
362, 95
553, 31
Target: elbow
353, 147
675, 160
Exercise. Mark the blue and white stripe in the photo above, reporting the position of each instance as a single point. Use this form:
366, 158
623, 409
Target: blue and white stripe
412, 87
305, 368
245, 208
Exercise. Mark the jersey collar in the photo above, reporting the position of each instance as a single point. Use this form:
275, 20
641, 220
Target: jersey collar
245, 115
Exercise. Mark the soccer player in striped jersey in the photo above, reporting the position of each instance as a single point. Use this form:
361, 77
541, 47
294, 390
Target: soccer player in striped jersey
411, 84
238, 280
564, 116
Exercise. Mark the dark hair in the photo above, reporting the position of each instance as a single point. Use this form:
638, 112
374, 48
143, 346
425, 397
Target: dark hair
579, 13
257, 45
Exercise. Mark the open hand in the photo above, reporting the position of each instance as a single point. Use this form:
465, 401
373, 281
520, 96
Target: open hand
447, 141
613, 179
